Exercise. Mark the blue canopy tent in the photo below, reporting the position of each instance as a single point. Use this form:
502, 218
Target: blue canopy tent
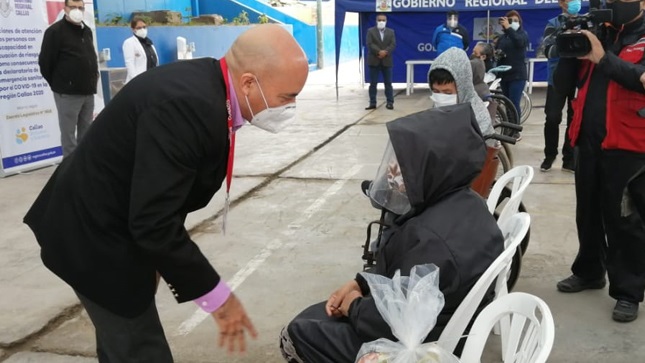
414, 22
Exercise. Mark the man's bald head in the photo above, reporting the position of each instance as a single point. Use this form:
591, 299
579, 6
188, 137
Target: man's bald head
266, 50
268, 67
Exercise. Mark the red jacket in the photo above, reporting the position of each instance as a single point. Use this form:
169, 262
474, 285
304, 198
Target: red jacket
625, 128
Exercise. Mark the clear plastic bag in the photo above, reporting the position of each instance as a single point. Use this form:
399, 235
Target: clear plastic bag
410, 306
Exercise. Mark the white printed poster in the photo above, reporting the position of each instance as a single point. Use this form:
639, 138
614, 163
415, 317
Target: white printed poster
29, 132
487, 30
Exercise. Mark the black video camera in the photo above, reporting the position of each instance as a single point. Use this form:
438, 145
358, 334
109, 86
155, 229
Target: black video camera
572, 44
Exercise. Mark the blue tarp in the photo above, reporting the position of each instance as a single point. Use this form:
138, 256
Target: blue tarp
414, 22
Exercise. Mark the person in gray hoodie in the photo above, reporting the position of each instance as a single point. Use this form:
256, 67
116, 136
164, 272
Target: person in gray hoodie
451, 80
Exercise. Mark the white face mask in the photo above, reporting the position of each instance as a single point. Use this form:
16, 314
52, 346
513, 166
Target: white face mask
141, 33
272, 119
442, 99
381, 25
452, 23
76, 16
515, 26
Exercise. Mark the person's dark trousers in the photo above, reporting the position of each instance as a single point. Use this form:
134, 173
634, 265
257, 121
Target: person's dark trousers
608, 242
513, 90
123, 340
589, 264
319, 338
553, 110
387, 81
625, 235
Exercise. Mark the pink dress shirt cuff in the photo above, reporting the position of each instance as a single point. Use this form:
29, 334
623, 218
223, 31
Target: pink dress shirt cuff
215, 298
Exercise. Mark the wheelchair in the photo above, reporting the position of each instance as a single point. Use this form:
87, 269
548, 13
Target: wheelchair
482, 185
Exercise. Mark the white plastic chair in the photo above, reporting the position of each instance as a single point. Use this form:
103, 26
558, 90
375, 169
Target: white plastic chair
530, 337
520, 177
513, 230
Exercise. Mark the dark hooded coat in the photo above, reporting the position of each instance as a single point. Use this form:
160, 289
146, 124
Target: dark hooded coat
448, 225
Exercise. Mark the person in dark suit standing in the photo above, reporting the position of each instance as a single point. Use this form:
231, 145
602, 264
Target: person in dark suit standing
381, 42
111, 218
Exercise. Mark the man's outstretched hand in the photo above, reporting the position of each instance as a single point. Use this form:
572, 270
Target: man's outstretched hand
233, 325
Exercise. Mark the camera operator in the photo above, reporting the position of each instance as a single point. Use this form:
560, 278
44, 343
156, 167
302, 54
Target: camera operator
609, 137
555, 101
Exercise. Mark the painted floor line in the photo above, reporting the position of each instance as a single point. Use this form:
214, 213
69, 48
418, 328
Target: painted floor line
199, 315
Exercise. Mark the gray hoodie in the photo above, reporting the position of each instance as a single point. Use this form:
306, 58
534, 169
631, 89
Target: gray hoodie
455, 61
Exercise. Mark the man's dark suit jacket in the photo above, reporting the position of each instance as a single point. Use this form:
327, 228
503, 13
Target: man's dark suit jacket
113, 212
375, 44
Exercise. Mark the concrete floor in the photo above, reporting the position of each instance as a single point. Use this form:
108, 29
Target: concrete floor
295, 235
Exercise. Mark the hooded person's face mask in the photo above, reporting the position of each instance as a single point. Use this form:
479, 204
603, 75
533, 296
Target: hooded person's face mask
388, 188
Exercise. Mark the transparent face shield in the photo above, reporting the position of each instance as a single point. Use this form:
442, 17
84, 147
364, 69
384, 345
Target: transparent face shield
388, 187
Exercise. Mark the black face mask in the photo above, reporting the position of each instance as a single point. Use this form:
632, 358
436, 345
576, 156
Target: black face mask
623, 13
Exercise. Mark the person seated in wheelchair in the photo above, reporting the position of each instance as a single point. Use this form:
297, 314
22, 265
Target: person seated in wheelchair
479, 71
451, 81
424, 182
482, 89
486, 53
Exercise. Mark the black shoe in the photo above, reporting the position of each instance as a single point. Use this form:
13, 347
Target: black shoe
569, 166
546, 164
625, 311
389, 106
370, 107
574, 283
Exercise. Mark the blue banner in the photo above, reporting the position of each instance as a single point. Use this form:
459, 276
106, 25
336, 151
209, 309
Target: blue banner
414, 22
32, 157
466, 5
361, 6
414, 36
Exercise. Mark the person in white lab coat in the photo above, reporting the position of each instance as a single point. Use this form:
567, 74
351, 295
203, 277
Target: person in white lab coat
138, 51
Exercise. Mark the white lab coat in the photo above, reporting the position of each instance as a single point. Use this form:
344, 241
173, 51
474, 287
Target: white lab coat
135, 58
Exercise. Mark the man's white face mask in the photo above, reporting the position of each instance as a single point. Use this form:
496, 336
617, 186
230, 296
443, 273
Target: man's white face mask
76, 16
443, 99
272, 119
381, 24
452, 22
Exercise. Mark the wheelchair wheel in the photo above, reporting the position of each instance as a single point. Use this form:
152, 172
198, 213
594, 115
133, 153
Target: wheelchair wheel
509, 154
504, 165
526, 106
505, 195
516, 266
506, 108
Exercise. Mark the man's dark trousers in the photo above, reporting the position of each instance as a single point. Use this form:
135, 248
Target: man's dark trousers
608, 241
123, 340
387, 81
553, 109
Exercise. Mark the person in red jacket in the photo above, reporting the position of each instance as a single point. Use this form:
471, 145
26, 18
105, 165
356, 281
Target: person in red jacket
608, 133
